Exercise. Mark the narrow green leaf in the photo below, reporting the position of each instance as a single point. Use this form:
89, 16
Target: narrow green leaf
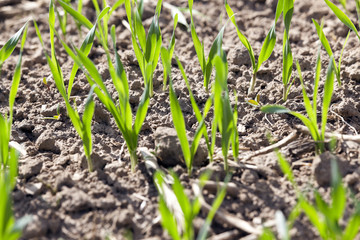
328, 92
323, 38
214, 208
274, 109
142, 110
279, 9
38, 33
267, 47
216, 49
307, 103
85, 47
313, 216
78, 16
241, 36
316, 81
286, 168
352, 227
10, 45
179, 124
167, 218
182, 198
338, 191
17, 76
342, 17
116, 5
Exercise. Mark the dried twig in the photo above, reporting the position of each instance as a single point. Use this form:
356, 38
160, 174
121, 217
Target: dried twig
223, 216
226, 235
212, 187
343, 120
272, 147
355, 138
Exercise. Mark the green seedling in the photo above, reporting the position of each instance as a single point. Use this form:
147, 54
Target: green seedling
267, 47
55, 117
166, 56
147, 48
10, 45
326, 217
170, 51
200, 117
288, 8
82, 126
6, 158
255, 102
178, 118
311, 121
225, 119
121, 109
206, 65
176, 11
178, 211
62, 18
9, 227
342, 17
102, 30
327, 47
79, 10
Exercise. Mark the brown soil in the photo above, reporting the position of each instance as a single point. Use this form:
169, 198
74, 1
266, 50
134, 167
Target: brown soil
69, 202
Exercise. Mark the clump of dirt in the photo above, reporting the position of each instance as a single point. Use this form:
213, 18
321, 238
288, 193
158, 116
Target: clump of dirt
68, 202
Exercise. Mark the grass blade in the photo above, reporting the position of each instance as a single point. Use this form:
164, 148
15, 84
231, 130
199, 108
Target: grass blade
85, 47
267, 47
216, 49
214, 208
328, 91
10, 45
241, 36
342, 17
179, 124
78, 16
16, 76
307, 103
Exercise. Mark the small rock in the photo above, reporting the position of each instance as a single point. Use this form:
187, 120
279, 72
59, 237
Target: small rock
77, 176
47, 142
101, 115
98, 161
26, 126
54, 225
352, 179
134, 97
217, 169
249, 176
169, 152
135, 85
63, 180
49, 111
124, 218
105, 203
52, 110
34, 189
75, 200
31, 168
321, 168
37, 228
18, 196
113, 166
239, 56
62, 160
